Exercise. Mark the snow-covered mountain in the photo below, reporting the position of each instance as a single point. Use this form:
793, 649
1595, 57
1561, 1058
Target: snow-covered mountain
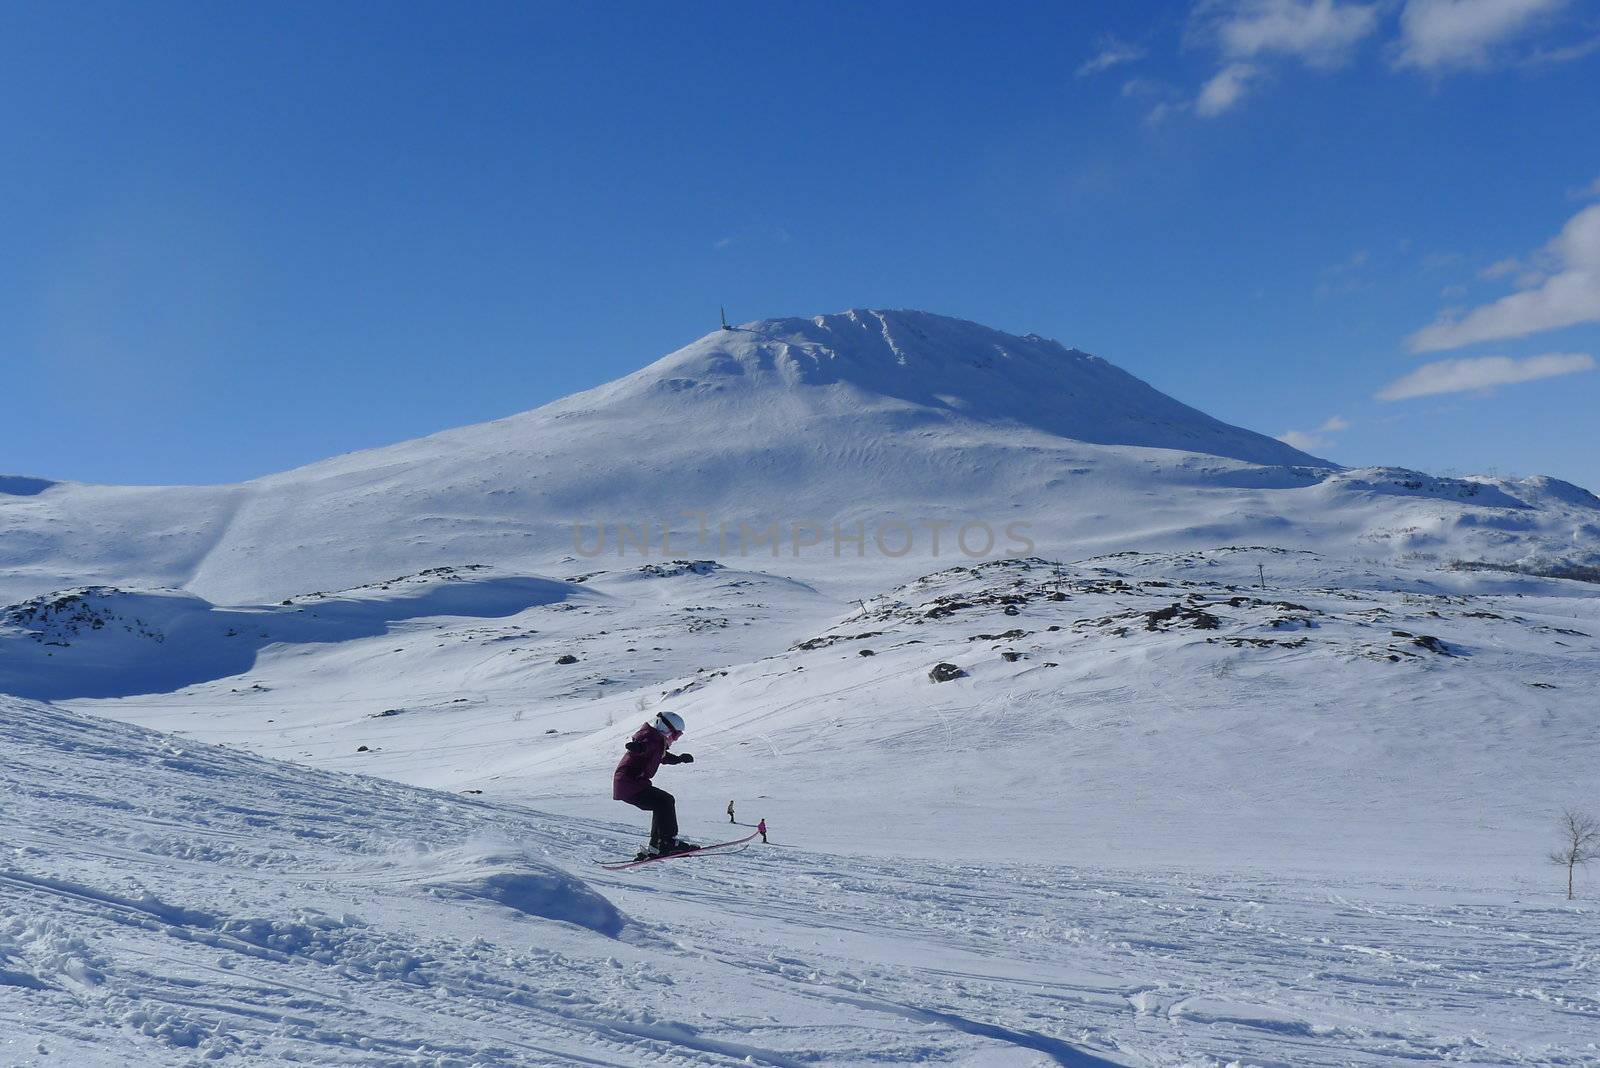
1259, 738
853, 418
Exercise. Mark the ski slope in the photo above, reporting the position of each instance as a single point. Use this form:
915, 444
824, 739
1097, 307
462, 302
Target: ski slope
169, 902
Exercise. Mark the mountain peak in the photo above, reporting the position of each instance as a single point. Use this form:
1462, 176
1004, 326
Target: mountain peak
929, 369
905, 338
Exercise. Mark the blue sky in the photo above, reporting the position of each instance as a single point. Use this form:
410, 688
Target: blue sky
241, 239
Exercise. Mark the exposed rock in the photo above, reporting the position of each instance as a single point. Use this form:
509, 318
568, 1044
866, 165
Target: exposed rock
1432, 644
1178, 615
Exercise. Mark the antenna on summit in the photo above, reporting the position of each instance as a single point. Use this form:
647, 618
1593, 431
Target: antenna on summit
724, 312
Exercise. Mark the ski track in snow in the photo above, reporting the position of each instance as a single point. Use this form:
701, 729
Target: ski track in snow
304, 924
1167, 970
168, 902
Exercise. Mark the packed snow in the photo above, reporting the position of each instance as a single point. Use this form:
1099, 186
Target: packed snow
171, 901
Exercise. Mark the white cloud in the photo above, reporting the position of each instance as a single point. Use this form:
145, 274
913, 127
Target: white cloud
1345, 276
1549, 57
1299, 440
1569, 295
1485, 372
1247, 33
1502, 268
753, 234
1163, 111
1522, 275
1306, 441
1164, 98
1439, 34
1319, 32
1226, 88
1435, 35
1355, 261
1112, 53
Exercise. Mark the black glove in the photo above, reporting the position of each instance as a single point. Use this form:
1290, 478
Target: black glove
634, 747
686, 758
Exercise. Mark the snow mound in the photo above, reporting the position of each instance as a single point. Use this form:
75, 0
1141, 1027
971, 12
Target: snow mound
100, 641
1399, 481
514, 880
1539, 489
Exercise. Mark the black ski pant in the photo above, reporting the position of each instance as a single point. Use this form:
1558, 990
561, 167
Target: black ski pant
663, 813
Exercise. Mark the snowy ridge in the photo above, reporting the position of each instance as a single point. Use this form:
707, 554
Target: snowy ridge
100, 641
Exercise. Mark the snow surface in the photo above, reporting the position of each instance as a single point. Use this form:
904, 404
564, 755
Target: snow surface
1254, 760
171, 902
1130, 707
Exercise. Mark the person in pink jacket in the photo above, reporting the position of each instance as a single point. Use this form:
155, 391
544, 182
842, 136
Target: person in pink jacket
647, 751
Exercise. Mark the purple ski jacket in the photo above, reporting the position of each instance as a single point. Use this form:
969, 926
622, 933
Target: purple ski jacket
636, 769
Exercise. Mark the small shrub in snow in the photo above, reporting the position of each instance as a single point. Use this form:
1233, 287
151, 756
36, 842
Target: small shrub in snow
1580, 843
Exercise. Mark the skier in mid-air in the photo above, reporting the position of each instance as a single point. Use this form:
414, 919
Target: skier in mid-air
647, 751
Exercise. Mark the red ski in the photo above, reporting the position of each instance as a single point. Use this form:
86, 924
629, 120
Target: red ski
719, 846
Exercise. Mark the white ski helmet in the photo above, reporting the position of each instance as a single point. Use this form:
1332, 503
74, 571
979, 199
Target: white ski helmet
669, 723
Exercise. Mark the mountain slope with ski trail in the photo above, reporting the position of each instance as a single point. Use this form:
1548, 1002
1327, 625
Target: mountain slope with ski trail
169, 903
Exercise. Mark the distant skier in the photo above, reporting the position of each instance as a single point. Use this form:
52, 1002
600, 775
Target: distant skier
762, 827
647, 751
730, 813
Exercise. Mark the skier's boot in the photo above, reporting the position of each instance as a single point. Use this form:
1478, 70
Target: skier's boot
678, 845
665, 848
